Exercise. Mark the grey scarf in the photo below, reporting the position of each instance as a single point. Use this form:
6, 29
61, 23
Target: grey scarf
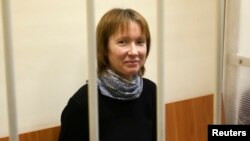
114, 86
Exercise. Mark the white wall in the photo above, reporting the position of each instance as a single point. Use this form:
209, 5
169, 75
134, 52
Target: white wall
50, 53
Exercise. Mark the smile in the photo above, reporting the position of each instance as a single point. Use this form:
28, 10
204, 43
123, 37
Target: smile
132, 63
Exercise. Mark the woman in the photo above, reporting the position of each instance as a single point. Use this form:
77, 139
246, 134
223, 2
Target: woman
127, 102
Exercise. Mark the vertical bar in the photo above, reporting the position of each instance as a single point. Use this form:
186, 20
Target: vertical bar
92, 73
9, 68
218, 96
160, 91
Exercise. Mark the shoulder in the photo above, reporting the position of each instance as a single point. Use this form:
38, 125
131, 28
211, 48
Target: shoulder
81, 96
149, 91
149, 83
149, 86
76, 105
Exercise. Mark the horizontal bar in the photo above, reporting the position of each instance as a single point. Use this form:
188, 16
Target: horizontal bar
240, 60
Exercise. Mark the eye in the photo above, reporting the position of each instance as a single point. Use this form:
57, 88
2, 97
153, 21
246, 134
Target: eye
141, 42
122, 42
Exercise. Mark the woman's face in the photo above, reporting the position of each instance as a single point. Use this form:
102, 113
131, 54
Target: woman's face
127, 51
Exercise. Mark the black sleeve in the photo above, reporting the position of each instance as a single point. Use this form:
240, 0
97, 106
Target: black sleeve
74, 122
154, 99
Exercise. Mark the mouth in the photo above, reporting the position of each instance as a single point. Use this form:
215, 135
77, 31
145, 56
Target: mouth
132, 63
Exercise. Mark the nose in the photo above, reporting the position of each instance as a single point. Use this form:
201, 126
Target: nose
133, 49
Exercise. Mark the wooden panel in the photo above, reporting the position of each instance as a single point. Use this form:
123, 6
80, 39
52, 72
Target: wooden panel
187, 120
50, 134
4, 139
222, 111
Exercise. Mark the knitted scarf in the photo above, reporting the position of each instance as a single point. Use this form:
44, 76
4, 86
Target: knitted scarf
116, 87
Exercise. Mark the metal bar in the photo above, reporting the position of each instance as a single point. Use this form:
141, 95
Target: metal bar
9, 68
240, 60
243, 61
160, 85
92, 73
220, 64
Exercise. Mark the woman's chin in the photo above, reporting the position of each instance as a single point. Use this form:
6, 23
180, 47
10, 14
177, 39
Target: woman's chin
132, 73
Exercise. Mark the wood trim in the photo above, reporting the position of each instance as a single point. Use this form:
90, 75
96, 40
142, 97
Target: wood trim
49, 134
223, 120
186, 121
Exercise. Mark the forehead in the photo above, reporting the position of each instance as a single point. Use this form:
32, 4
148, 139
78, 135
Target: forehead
125, 29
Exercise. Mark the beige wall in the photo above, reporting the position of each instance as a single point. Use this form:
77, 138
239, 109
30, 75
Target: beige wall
191, 42
50, 52
50, 60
